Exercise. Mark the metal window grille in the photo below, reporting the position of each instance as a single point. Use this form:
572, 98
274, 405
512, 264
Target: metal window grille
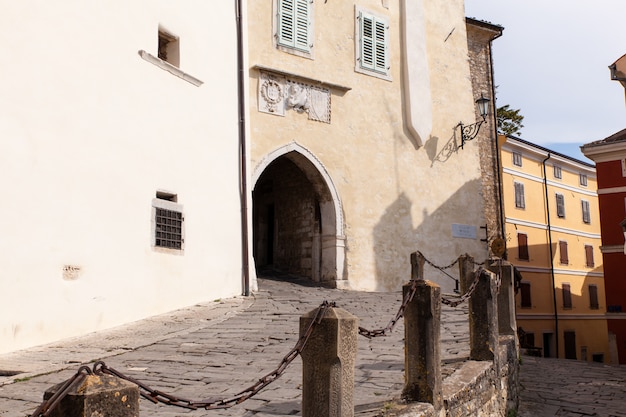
169, 229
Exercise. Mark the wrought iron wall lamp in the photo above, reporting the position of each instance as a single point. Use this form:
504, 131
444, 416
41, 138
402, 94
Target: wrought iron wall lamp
469, 132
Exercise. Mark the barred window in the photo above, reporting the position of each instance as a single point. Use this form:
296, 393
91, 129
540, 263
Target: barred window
169, 229
167, 222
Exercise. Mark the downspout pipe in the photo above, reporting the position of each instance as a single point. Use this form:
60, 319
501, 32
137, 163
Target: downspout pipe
243, 156
556, 314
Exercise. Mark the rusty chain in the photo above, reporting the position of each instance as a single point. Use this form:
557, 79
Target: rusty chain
47, 406
441, 268
157, 396
468, 293
383, 332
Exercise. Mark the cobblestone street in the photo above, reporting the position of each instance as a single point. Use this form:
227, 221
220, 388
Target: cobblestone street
219, 348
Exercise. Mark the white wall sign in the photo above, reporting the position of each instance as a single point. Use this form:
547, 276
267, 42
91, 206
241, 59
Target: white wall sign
465, 231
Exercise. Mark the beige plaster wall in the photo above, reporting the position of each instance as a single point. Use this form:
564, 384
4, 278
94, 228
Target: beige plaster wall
396, 197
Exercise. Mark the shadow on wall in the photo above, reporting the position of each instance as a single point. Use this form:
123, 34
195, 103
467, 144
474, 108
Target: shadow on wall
395, 238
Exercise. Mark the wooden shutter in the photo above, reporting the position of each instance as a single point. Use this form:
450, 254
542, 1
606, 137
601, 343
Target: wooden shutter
522, 246
564, 258
586, 213
589, 256
560, 205
374, 41
567, 296
593, 297
294, 24
525, 295
519, 195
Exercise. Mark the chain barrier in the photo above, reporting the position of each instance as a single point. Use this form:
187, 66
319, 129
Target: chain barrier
157, 396
463, 298
441, 268
47, 406
383, 332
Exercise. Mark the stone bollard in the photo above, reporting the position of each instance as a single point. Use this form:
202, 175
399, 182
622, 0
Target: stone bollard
98, 395
328, 360
466, 271
422, 324
483, 317
506, 297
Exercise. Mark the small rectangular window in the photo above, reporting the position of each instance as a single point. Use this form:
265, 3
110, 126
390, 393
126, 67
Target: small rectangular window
525, 295
517, 159
589, 256
560, 205
593, 297
583, 179
373, 44
563, 252
557, 172
519, 195
167, 222
169, 48
586, 212
522, 246
567, 295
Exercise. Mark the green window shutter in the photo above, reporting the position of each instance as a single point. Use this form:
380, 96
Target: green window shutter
374, 40
294, 24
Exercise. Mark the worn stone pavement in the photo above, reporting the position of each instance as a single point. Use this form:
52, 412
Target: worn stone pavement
570, 388
216, 349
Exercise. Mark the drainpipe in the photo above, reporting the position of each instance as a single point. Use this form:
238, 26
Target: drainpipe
495, 129
243, 172
556, 314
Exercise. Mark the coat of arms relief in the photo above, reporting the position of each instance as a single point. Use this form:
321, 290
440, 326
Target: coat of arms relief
278, 93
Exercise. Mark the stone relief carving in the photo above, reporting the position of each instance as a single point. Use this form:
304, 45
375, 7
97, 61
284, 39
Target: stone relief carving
272, 94
278, 94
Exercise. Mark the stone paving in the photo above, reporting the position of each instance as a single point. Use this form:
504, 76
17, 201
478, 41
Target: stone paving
570, 388
217, 349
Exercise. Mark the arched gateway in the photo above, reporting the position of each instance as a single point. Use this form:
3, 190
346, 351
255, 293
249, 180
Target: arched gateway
297, 216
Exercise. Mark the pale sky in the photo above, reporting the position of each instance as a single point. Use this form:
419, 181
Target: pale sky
552, 63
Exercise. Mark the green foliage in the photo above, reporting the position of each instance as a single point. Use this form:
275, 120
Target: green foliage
509, 120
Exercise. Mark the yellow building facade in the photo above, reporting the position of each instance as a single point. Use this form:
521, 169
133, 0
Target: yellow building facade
552, 226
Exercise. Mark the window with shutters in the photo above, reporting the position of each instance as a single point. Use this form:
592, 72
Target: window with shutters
563, 252
167, 222
517, 159
589, 256
522, 246
372, 48
560, 205
294, 26
525, 295
582, 179
519, 195
557, 172
586, 212
593, 297
567, 295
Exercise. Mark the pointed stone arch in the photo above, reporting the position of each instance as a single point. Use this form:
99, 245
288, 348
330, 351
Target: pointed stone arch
331, 239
